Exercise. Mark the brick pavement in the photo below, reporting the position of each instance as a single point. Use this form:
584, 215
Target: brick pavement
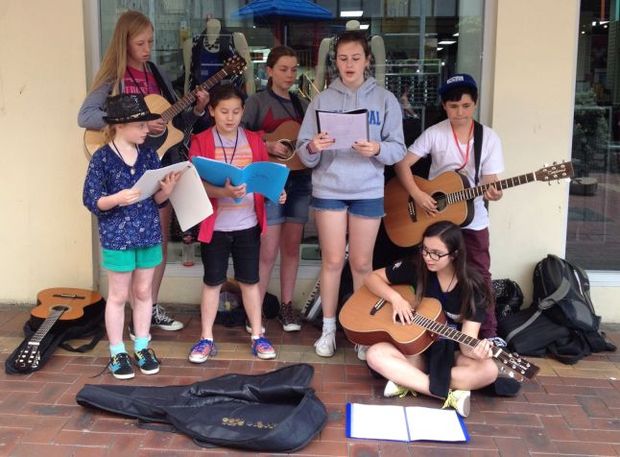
566, 410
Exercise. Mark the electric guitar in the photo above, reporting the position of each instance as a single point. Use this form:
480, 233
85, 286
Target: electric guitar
405, 221
66, 305
367, 320
286, 133
171, 136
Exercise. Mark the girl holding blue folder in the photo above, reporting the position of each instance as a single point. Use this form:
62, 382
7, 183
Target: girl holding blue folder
236, 224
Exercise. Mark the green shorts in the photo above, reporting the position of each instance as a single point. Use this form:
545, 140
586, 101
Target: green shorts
130, 259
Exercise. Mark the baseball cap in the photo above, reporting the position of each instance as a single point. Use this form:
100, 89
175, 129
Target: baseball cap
458, 80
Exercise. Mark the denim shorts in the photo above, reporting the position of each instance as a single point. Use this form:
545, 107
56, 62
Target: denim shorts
244, 245
371, 208
130, 259
298, 189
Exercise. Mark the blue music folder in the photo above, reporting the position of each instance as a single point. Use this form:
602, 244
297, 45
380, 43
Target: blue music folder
400, 423
266, 178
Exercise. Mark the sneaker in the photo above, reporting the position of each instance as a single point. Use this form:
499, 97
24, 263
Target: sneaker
147, 361
326, 345
289, 317
248, 328
360, 349
263, 349
394, 390
459, 400
202, 350
160, 318
120, 366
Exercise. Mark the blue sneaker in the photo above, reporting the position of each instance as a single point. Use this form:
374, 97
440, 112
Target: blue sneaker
202, 350
147, 361
263, 349
120, 366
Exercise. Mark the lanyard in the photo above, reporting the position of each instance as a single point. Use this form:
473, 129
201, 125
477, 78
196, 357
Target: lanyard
458, 145
232, 157
146, 81
279, 99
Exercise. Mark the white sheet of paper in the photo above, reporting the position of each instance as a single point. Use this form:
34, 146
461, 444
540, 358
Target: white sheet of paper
149, 181
434, 424
379, 422
189, 200
346, 128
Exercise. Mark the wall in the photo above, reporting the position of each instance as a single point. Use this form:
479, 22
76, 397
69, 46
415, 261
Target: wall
533, 97
45, 231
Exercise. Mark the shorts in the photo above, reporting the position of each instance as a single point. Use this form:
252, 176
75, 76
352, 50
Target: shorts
244, 245
371, 208
126, 260
298, 193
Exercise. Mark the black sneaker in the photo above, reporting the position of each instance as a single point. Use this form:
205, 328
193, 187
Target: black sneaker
147, 361
160, 318
289, 317
120, 366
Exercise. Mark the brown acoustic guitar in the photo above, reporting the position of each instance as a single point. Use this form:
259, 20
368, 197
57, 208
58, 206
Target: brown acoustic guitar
171, 136
59, 304
405, 221
367, 320
286, 133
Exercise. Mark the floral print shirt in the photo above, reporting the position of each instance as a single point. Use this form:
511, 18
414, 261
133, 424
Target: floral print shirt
122, 227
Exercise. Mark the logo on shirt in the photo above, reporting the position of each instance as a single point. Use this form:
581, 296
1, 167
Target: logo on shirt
373, 117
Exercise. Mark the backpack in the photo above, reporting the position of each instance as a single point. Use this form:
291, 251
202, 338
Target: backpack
508, 297
561, 321
562, 292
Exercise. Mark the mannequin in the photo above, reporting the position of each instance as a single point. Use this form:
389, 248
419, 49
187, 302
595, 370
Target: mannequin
377, 47
210, 49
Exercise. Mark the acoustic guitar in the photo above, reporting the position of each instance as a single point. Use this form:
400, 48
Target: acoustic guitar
405, 221
367, 320
54, 306
171, 136
286, 133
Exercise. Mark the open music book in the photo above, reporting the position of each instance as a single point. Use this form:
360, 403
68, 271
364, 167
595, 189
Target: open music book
189, 198
266, 178
345, 127
400, 423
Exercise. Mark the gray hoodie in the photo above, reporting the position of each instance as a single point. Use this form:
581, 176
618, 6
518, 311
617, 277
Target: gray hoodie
344, 174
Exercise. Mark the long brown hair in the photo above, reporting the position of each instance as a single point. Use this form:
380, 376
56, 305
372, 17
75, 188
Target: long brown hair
114, 63
472, 286
274, 56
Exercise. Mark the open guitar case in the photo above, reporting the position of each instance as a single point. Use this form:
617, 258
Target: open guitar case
90, 325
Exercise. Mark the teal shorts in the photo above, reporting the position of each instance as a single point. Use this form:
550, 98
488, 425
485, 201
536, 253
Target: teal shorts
130, 259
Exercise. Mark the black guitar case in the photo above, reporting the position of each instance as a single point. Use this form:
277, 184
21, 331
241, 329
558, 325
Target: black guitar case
271, 412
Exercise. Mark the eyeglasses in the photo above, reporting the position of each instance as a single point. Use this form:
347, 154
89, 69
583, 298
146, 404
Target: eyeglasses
433, 255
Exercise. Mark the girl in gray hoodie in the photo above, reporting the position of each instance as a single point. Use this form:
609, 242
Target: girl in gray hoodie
347, 184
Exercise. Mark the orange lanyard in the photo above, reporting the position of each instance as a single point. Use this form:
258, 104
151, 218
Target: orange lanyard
458, 145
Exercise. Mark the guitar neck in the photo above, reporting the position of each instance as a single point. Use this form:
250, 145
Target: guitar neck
454, 335
46, 326
183, 103
472, 192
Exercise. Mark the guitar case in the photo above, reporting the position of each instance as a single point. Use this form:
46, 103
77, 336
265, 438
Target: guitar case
271, 412
91, 325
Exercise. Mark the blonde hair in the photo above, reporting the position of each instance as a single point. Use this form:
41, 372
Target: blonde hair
114, 63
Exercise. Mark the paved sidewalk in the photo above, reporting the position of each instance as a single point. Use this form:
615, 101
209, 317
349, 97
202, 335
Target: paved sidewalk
566, 410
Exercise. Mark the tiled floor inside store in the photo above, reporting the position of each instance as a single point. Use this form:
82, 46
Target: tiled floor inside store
565, 410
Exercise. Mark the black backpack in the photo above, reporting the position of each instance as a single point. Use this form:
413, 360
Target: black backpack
561, 321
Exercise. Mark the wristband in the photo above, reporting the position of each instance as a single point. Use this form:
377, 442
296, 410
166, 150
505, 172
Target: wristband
309, 150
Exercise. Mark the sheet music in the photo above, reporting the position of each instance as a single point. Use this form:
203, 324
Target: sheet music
345, 127
148, 183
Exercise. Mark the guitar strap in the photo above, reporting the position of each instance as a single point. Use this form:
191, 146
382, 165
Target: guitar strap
297, 105
478, 129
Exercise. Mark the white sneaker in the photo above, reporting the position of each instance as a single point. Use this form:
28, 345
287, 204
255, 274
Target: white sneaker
325, 346
361, 351
394, 390
248, 328
459, 400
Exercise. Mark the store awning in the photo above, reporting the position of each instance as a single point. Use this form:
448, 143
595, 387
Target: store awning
293, 9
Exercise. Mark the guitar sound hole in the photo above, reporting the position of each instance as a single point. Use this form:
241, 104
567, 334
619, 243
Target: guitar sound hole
440, 198
62, 308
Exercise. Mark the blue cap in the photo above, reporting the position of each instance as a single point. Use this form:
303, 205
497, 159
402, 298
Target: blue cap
458, 80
